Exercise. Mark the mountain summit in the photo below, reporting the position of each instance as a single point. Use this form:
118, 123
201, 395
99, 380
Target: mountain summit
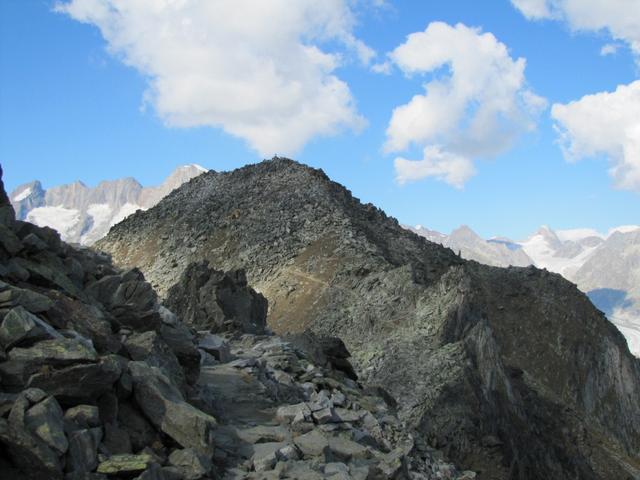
511, 371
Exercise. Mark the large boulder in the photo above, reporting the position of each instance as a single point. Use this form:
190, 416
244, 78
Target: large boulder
58, 352
11, 297
210, 299
20, 327
83, 450
29, 453
129, 299
182, 342
165, 407
323, 350
45, 419
80, 382
150, 347
141, 432
88, 320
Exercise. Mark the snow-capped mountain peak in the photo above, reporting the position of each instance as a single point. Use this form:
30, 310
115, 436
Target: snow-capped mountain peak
83, 214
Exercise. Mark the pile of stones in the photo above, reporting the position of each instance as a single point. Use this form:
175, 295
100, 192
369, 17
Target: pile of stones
282, 415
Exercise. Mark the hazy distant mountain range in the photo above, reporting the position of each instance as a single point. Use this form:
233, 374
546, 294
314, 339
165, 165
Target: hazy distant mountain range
83, 214
605, 266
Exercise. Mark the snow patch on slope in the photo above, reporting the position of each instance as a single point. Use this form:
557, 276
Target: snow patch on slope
100, 214
544, 254
22, 195
623, 229
65, 220
577, 234
628, 325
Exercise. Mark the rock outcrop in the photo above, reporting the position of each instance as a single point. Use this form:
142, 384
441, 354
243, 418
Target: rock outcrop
512, 372
209, 299
80, 342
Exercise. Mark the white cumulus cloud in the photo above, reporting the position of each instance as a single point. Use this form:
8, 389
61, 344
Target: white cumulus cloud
263, 70
620, 18
475, 104
606, 123
445, 166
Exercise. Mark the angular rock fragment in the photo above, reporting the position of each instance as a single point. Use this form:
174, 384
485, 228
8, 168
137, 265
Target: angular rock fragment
45, 419
33, 244
140, 431
164, 406
81, 417
181, 341
21, 327
208, 299
190, 463
151, 348
343, 449
132, 301
83, 450
11, 297
265, 455
9, 241
57, 353
125, 465
50, 276
216, 346
23, 401
79, 383
30, 454
312, 444
88, 320
289, 412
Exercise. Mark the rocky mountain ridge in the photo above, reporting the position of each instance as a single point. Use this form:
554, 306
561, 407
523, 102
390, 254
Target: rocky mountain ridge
99, 381
605, 267
512, 372
82, 214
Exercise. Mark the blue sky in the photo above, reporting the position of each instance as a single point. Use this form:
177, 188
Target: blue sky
75, 102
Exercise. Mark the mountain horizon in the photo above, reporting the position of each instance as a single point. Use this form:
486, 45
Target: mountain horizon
83, 214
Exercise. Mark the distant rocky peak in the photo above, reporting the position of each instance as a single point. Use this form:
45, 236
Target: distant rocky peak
464, 231
26, 190
547, 232
83, 214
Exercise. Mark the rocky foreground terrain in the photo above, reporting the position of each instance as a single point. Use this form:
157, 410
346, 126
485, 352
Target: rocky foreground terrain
99, 381
511, 372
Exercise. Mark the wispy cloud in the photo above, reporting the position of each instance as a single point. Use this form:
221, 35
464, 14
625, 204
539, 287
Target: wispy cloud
619, 18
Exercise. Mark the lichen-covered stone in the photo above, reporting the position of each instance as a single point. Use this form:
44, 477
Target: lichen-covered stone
45, 419
124, 464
